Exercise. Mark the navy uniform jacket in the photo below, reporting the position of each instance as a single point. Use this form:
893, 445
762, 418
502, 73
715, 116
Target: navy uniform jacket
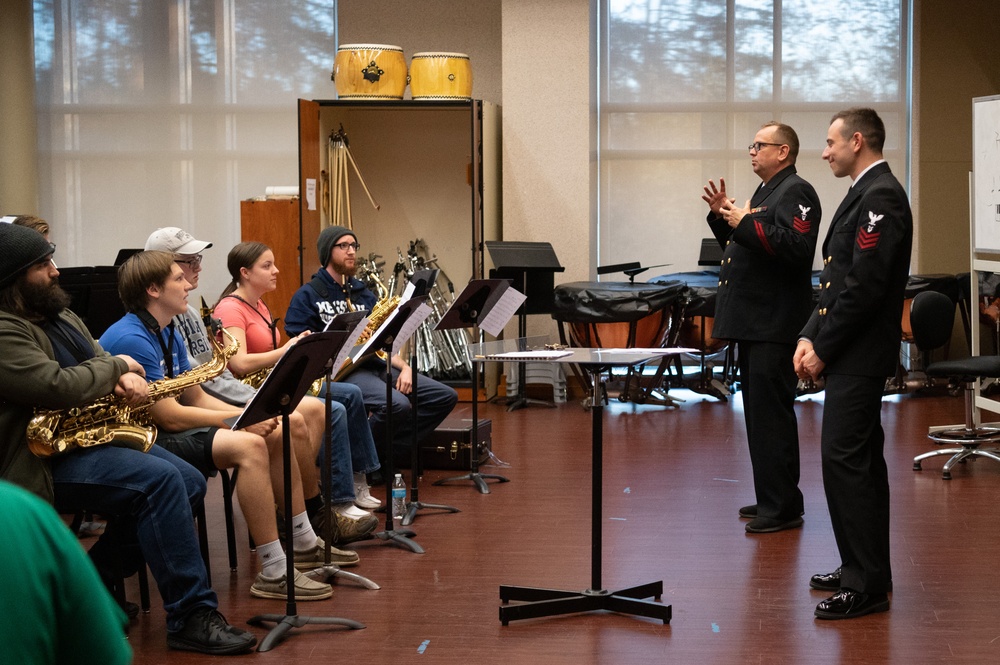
856, 326
765, 282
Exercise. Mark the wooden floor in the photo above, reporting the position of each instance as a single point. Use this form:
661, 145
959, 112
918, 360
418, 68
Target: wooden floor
673, 481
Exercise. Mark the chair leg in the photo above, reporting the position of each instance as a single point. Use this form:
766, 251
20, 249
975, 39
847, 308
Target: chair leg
228, 486
144, 590
199, 519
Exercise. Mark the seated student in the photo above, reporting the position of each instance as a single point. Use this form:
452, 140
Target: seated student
48, 360
334, 290
187, 252
153, 289
244, 314
48, 615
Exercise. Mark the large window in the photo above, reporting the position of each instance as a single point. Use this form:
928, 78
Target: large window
169, 112
685, 84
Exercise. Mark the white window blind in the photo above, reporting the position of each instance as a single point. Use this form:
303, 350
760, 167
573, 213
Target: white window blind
685, 84
169, 112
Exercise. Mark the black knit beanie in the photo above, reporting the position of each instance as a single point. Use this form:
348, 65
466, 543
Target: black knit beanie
328, 238
20, 247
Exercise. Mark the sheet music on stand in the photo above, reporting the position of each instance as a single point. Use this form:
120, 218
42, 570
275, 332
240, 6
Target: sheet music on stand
544, 354
305, 361
484, 303
353, 322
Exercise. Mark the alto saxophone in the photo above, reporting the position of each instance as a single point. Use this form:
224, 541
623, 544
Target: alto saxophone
111, 419
383, 307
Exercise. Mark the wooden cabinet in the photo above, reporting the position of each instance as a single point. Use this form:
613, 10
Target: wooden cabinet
433, 168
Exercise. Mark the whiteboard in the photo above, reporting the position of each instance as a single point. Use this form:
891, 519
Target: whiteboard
986, 174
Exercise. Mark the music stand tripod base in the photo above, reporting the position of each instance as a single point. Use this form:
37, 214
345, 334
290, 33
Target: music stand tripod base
554, 602
285, 623
330, 572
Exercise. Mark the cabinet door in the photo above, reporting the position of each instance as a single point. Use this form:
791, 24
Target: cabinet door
310, 180
276, 224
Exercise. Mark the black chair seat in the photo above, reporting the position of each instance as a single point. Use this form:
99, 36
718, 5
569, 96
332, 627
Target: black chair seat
966, 369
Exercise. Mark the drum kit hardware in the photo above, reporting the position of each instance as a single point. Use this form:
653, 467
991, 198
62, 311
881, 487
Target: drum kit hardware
378, 72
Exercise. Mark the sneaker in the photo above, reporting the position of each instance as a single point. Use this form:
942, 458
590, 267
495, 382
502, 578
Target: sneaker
207, 631
350, 529
275, 587
346, 529
362, 494
314, 558
352, 511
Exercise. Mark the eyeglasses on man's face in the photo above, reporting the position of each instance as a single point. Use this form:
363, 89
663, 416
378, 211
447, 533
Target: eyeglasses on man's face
344, 246
757, 145
191, 261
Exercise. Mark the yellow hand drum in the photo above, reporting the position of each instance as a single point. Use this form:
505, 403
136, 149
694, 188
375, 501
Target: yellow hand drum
369, 71
440, 76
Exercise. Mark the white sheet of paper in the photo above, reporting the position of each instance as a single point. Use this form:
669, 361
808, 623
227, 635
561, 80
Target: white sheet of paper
502, 312
652, 350
411, 325
310, 193
529, 355
349, 345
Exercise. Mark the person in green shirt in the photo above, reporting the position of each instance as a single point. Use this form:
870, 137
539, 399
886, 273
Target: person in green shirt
56, 609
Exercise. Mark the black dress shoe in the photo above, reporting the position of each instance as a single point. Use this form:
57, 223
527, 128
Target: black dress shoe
771, 524
749, 512
830, 581
825, 581
847, 604
207, 631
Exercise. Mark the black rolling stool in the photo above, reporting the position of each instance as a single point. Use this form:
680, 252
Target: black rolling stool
937, 312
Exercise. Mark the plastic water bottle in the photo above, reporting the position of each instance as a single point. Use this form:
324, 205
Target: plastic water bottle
398, 497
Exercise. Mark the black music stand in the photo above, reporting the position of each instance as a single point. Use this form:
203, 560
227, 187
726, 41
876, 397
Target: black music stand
531, 268
631, 269
350, 323
422, 281
388, 339
544, 602
469, 309
280, 393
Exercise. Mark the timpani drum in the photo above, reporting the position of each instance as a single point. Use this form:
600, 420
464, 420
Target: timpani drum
616, 314
369, 71
698, 312
439, 75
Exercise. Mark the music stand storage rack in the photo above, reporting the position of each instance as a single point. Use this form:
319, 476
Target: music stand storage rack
544, 602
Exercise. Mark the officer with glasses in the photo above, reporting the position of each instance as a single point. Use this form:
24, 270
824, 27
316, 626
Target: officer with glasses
764, 299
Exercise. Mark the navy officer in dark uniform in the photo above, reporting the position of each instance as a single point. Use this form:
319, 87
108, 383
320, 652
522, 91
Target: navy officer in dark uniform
852, 338
764, 299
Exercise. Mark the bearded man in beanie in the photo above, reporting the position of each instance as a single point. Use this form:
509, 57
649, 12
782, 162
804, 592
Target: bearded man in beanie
335, 290
49, 360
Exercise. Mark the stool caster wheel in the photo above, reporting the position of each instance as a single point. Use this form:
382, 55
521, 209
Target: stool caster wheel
917, 466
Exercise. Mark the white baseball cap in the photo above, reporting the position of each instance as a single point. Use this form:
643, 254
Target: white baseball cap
173, 239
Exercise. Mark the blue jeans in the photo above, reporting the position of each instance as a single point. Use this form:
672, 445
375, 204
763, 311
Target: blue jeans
350, 432
434, 402
157, 490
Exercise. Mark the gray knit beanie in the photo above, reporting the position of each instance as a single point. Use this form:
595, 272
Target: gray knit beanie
328, 238
20, 247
